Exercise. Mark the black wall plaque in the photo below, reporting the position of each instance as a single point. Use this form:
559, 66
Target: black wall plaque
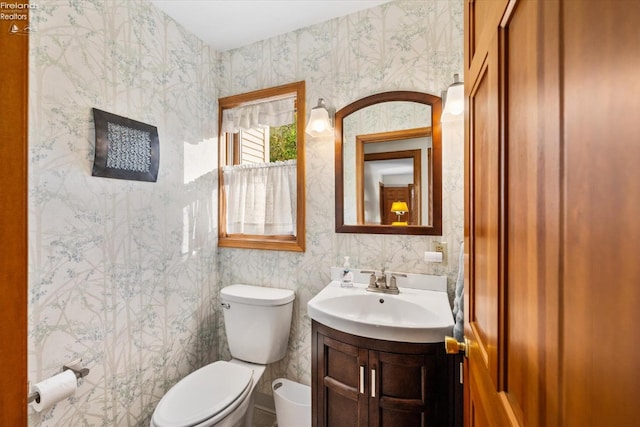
125, 148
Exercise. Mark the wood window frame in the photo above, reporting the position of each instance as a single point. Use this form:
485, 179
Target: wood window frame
294, 243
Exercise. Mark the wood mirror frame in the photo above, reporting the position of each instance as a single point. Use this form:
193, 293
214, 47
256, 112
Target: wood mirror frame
435, 179
270, 242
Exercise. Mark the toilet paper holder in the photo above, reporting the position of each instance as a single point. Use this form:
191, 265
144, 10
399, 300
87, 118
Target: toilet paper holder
73, 366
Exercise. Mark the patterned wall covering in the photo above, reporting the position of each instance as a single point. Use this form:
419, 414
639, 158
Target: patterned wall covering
126, 274
402, 45
122, 273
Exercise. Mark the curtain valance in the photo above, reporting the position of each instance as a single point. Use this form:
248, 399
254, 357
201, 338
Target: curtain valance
274, 113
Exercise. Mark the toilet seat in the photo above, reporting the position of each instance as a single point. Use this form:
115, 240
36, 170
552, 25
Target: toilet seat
206, 395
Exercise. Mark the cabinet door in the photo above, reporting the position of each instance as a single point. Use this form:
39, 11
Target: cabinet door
407, 390
343, 390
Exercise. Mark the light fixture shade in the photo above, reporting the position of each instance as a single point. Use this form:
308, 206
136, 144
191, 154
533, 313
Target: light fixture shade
399, 207
454, 101
319, 123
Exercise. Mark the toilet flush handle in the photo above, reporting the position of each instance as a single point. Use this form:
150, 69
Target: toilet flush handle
225, 305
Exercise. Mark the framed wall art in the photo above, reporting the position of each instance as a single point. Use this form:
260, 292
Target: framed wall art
125, 148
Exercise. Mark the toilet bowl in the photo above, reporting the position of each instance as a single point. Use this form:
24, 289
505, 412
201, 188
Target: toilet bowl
218, 394
221, 394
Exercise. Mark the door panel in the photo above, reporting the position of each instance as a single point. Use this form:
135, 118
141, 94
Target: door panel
530, 36
484, 151
601, 278
484, 303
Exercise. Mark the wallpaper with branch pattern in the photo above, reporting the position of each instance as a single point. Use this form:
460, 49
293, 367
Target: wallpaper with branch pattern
401, 45
126, 274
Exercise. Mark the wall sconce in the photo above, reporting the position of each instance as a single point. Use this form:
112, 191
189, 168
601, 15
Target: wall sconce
319, 123
399, 208
454, 100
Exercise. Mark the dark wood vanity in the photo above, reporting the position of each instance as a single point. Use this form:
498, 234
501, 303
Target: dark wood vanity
359, 381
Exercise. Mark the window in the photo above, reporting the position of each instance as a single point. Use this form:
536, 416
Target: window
261, 193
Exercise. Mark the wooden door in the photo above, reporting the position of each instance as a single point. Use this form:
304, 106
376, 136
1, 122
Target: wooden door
552, 201
13, 222
512, 218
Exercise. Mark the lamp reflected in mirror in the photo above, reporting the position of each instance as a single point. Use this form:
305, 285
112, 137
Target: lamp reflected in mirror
400, 208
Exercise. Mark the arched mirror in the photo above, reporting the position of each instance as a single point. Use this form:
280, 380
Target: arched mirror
389, 164
261, 174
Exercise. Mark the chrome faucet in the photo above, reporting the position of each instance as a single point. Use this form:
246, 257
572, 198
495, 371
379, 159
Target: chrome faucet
379, 283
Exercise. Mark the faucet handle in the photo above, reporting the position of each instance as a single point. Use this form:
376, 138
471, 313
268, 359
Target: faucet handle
392, 282
372, 280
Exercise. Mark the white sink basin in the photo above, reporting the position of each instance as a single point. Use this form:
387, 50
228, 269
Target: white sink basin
414, 315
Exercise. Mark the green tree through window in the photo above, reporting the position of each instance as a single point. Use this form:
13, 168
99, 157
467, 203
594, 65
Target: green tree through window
282, 144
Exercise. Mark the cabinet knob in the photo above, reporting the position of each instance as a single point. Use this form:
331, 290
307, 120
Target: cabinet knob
453, 346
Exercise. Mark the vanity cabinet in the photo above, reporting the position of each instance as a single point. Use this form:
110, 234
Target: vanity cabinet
359, 381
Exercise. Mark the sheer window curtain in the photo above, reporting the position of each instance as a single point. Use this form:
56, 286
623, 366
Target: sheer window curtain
260, 198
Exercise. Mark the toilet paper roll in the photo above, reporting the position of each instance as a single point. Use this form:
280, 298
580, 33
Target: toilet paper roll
54, 389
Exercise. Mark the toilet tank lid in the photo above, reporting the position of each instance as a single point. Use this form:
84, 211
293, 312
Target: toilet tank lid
257, 295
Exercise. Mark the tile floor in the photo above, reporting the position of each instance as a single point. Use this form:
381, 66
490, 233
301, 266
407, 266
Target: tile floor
262, 418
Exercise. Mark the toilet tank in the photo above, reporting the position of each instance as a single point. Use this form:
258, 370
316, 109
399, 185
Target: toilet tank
257, 322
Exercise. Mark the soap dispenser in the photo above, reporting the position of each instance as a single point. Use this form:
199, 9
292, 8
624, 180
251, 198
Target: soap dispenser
347, 275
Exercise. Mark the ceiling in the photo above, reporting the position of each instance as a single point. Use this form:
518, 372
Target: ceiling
228, 24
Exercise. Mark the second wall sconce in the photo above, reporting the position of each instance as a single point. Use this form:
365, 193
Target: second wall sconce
454, 100
319, 123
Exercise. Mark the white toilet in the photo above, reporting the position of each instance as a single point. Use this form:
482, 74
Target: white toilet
257, 323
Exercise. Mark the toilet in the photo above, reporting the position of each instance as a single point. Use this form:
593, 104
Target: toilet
257, 323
